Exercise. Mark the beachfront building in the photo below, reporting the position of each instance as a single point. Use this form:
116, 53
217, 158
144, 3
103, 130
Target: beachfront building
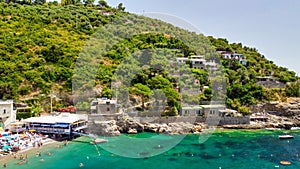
7, 113
202, 110
104, 106
65, 124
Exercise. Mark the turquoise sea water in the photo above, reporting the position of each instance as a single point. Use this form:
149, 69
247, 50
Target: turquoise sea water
230, 149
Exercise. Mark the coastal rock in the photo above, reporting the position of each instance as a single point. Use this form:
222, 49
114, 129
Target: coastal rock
125, 125
179, 128
104, 128
197, 128
151, 127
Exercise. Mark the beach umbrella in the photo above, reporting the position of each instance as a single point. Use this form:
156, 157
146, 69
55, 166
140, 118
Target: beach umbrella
6, 147
4, 134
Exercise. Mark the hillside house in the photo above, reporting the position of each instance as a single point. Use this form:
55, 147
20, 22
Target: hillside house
198, 62
236, 56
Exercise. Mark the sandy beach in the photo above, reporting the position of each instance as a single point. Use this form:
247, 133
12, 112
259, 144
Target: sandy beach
31, 151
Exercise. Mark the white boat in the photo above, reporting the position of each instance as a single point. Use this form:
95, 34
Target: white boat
286, 136
295, 128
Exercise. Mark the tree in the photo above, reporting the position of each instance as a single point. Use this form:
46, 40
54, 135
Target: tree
159, 82
293, 90
67, 2
121, 7
40, 1
103, 3
172, 112
142, 90
88, 1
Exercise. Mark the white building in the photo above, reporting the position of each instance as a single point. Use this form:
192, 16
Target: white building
236, 56
197, 62
7, 112
64, 123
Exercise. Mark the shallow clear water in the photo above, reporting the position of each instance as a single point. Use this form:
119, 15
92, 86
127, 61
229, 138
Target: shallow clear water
224, 149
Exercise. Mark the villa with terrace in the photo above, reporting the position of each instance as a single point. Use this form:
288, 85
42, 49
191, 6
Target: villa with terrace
236, 56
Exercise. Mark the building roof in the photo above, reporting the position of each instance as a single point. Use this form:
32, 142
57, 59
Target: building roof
182, 58
228, 111
6, 101
62, 118
106, 100
197, 57
210, 106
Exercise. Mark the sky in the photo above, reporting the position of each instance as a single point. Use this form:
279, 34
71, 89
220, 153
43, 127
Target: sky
271, 26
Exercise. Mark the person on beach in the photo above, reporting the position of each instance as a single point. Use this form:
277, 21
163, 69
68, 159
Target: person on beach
4, 165
66, 143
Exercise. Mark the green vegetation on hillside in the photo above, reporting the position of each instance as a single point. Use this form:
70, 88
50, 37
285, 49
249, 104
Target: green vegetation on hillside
41, 43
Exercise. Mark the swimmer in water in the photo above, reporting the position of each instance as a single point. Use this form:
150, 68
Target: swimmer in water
81, 165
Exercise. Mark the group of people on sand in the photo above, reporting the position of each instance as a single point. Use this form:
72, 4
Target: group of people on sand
15, 142
23, 158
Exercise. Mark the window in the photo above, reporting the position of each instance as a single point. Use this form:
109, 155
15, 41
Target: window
107, 109
4, 111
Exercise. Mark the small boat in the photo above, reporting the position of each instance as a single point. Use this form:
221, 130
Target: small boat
285, 162
295, 128
286, 136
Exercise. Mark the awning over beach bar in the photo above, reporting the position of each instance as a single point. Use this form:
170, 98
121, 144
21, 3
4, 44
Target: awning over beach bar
62, 124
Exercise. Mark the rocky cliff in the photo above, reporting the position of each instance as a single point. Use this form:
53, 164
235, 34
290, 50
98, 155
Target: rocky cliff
130, 126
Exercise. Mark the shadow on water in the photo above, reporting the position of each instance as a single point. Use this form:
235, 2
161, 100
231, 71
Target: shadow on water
207, 156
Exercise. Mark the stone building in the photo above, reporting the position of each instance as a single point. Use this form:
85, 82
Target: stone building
104, 106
